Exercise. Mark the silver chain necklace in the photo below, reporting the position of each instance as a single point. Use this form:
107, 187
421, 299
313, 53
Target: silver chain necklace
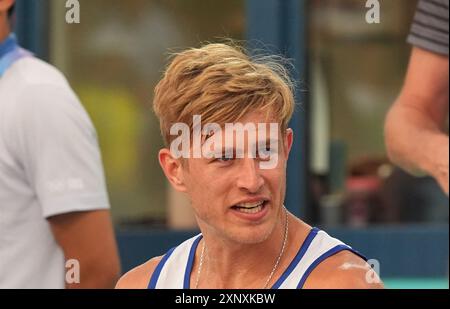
277, 262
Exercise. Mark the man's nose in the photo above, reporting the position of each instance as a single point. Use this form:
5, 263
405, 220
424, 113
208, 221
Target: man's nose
249, 177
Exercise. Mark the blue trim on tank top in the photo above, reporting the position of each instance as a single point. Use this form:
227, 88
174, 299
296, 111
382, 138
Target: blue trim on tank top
190, 263
301, 252
323, 257
155, 276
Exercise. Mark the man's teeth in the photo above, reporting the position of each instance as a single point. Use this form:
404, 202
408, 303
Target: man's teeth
250, 210
250, 205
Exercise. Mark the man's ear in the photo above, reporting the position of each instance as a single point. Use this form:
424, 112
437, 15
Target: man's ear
5, 5
287, 142
173, 169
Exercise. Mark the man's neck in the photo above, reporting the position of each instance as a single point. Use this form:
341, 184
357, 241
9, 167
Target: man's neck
236, 266
5, 29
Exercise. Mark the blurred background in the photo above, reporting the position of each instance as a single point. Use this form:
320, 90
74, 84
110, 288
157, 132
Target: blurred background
348, 74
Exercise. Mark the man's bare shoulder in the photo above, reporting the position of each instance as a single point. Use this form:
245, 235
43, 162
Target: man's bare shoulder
139, 277
344, 270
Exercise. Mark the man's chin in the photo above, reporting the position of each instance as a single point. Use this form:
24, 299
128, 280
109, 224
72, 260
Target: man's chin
251, 235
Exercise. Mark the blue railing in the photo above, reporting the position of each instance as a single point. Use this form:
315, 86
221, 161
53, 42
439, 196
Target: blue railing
409, 251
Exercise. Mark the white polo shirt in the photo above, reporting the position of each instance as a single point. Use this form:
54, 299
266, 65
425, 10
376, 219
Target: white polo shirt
50, 164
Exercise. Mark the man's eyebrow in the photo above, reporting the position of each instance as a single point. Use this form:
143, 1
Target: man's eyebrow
205, 137
259, 142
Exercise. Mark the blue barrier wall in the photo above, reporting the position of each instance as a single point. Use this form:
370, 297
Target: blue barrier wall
403, 251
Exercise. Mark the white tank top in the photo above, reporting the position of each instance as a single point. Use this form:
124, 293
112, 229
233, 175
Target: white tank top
174, 269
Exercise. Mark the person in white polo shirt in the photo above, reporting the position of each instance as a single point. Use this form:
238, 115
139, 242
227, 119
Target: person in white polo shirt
55, 224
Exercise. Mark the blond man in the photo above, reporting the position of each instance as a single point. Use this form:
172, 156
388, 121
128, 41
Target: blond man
248, 239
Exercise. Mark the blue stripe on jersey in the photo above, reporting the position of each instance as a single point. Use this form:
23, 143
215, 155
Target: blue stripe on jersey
190, 263
157, 272
8, 45
10, 52
323, 257
301, 252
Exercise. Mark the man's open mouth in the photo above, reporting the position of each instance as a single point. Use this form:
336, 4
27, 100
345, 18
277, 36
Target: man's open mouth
250, 208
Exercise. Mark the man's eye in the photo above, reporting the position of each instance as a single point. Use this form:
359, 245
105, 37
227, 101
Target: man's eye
224, 159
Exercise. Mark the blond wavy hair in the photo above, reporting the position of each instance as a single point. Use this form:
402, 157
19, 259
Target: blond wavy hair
222, 83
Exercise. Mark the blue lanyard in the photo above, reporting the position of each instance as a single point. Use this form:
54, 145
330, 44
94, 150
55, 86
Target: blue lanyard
10, 52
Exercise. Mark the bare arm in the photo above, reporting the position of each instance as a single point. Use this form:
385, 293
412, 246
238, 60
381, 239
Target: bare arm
89, 238
414, 128
344, 270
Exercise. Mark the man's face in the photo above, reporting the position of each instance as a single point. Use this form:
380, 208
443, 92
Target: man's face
235, 198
